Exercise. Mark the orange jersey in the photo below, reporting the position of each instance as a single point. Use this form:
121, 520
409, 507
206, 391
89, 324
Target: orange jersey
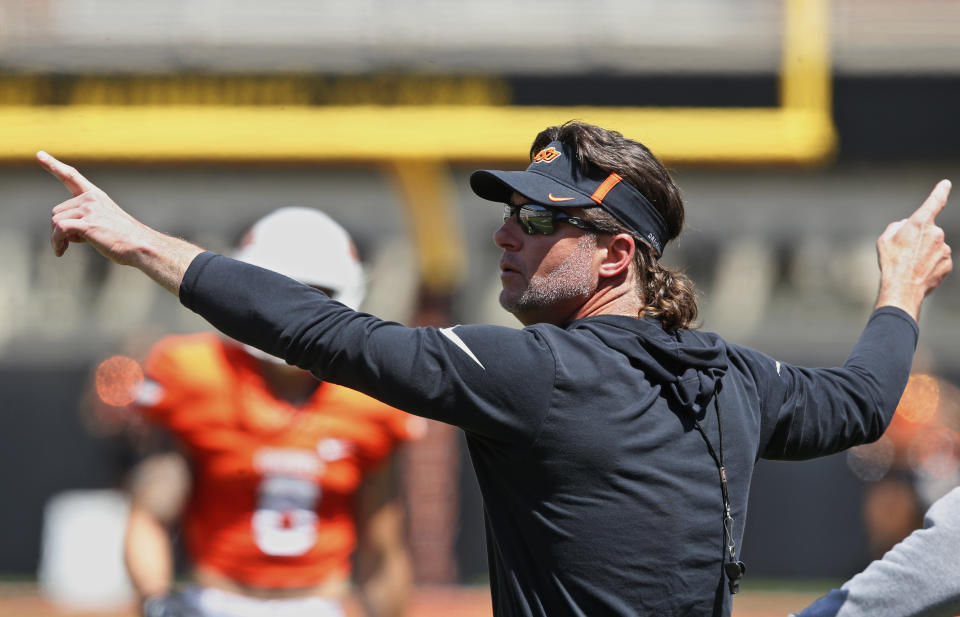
272, 499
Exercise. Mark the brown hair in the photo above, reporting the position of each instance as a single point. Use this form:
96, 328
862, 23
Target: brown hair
666, 294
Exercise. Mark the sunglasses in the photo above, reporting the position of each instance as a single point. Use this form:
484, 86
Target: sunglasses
535, 219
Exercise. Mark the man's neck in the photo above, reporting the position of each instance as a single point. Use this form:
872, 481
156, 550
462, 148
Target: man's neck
627, 304
295, 386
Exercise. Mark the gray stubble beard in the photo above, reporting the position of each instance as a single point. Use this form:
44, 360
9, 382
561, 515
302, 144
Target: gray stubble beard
569, 280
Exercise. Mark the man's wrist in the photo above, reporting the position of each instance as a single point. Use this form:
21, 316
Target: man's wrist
907, 302
165, 259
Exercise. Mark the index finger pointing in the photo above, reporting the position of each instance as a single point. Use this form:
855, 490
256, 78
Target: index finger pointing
71, 178
935, 202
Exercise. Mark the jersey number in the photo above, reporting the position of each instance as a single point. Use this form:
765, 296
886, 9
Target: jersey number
285, 523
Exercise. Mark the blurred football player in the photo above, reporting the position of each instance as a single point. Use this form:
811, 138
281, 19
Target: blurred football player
282, 476
915, 463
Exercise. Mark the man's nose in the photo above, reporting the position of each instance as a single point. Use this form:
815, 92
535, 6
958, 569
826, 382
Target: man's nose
509, 235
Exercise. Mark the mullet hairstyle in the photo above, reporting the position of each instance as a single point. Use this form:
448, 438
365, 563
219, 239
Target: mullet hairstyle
668, 295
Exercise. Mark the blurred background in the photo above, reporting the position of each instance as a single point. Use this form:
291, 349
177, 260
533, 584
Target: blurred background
796, 129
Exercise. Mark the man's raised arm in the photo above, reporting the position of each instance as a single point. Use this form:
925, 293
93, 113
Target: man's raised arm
91, 216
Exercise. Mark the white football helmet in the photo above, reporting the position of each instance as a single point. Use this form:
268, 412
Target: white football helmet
309, 246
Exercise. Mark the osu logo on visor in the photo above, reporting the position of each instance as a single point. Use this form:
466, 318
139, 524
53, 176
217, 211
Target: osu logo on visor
546, 155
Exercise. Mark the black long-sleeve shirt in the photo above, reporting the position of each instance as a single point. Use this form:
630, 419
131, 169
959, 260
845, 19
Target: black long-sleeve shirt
600, 497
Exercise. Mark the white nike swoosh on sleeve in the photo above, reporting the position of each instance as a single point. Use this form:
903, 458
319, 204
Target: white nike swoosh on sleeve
450, 334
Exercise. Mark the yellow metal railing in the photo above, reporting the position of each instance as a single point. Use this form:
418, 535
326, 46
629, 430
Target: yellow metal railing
799, 131
415, 142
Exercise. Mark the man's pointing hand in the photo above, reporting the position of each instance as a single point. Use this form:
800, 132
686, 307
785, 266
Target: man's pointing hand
91, 216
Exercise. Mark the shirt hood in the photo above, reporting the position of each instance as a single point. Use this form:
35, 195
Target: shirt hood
688, 364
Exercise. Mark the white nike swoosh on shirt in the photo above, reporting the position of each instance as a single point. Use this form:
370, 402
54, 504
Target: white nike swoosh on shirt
450, 334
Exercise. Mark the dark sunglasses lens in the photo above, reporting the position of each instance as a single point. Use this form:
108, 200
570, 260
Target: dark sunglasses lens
536, 220
532, 219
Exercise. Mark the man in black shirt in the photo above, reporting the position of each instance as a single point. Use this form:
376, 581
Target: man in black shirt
613, 444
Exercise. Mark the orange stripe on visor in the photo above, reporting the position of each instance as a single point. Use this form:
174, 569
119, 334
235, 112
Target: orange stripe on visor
605, 187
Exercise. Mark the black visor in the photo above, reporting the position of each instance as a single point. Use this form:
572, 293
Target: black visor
555, 179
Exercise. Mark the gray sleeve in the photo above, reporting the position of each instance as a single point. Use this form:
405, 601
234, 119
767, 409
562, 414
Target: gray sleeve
919, 577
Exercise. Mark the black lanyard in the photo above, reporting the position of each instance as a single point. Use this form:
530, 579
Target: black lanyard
734, 569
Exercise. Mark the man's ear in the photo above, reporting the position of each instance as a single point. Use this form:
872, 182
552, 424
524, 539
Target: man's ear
620, 249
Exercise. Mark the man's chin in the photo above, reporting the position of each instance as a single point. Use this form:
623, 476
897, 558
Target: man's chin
508, 301
518, 306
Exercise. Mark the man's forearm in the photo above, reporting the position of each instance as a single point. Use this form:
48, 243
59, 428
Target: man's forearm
386, 593
148, 554
383, 571
919, 577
